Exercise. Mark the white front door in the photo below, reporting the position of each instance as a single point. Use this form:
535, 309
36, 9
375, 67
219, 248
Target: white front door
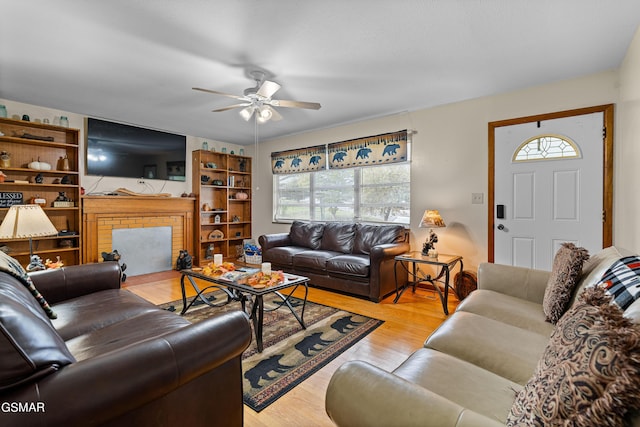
542, 203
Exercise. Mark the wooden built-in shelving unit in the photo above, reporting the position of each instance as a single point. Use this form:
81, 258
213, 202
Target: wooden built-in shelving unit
26, 142
223, 203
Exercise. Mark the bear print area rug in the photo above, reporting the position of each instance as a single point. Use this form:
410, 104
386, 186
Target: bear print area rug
291, 354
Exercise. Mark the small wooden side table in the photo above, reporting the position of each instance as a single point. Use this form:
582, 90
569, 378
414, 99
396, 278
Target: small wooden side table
445, 263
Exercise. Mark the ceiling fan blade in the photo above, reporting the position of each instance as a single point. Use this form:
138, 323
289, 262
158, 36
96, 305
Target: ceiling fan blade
215, 92
267, 89
275, 116
230, 107
295, 104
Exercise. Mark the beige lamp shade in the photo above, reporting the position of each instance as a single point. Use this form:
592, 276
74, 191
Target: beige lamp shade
432, 219
26, 221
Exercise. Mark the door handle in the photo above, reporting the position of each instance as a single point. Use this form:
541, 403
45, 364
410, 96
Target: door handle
500, 227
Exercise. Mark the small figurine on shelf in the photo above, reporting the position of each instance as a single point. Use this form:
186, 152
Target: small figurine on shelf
209, 252
5, 159
62, 197
54, 264
36, 264
39, 178
2, 176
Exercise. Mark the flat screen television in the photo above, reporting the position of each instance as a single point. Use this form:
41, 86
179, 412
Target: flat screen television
125, 151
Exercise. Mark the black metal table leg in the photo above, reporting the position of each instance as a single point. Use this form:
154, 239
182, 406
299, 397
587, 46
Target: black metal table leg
199, 294
257, 316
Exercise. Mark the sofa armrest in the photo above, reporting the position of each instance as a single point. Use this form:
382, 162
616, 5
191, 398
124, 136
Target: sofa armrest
520, 282
108, 386
382, 280
360, 394
267, 241
388, 250
72, 281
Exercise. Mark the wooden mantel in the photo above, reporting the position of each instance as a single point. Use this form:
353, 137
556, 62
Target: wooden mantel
101, 214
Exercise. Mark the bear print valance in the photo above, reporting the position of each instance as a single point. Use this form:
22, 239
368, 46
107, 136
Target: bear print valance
303, 160
370, 151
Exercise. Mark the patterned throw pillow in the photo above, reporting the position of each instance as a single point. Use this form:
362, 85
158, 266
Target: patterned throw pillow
622, 281
589, 374
13, 267
565, 273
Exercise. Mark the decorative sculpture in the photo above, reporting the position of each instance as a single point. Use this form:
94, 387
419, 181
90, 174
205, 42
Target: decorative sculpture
185, 261
115, 256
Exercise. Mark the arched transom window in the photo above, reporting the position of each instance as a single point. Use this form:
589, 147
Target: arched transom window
545, 147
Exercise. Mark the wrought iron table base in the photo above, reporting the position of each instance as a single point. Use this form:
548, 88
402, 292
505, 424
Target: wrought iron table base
256, 313
418, 276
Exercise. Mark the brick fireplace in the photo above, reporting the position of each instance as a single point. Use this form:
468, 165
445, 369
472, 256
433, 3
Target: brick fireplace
103, 214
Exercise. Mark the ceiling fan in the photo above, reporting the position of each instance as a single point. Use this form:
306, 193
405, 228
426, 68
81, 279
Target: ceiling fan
259, 100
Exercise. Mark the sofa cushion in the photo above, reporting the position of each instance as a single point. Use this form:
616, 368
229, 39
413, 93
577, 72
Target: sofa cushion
622, 282
503, 349
30, 347
589, 374
282, 255
132, 330
507, 309
368, 236
338, 237
350, 265
313, 260
565, 273
461, 382
306, 234
82, 315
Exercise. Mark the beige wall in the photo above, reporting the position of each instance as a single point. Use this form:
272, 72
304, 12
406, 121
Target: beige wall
627, 152
449, 156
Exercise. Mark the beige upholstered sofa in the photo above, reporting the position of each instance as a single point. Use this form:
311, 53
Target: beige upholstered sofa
473, 366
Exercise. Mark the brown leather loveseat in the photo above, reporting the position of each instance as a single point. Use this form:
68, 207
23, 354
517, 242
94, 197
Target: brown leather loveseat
349, 257
112, 358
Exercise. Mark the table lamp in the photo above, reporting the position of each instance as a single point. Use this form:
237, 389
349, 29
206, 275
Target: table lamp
26, 221
431, 219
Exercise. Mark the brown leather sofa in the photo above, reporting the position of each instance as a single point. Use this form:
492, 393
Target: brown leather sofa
112, 358
354, 258
472, 367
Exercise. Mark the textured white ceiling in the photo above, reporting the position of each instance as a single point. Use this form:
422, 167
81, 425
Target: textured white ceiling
136, 61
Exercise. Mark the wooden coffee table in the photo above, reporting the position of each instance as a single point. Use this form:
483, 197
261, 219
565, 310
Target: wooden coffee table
246, 293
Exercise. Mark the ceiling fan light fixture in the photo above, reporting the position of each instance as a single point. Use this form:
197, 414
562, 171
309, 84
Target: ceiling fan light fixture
247, 112
265, 113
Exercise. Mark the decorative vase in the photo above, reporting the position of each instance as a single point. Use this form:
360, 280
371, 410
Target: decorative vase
63, 164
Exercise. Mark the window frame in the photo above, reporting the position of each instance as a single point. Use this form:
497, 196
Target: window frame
358, 187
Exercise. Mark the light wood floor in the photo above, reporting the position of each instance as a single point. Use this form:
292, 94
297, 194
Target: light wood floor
407, 325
